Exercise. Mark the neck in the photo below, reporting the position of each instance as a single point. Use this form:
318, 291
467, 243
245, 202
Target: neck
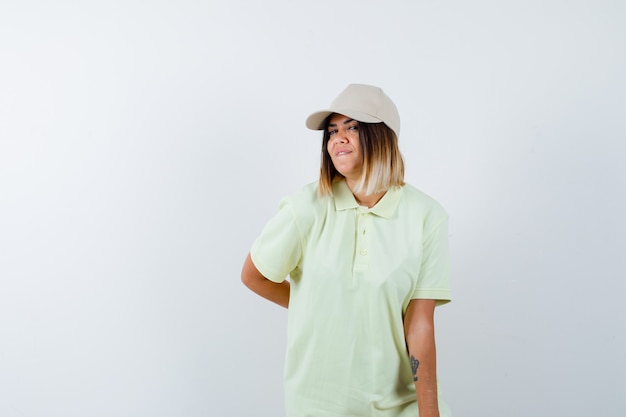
366, 200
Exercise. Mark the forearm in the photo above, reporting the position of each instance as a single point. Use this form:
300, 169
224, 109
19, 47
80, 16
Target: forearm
419, 329
255, 281
422, 354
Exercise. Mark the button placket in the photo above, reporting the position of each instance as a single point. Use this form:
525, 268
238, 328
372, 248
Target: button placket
362, 258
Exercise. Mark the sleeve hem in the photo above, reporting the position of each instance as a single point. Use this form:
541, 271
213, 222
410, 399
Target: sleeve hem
441, 295
265, 271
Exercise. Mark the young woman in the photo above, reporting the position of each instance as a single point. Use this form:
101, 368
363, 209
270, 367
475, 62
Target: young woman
367, 257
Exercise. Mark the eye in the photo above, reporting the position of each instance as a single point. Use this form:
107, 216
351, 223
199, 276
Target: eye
332, 132
354, 128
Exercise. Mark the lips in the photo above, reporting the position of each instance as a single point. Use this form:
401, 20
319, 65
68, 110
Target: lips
342, 152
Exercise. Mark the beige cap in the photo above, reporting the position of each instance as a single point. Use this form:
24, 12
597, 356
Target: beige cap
364, 103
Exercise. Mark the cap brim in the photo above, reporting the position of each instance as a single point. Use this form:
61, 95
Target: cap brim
316, 120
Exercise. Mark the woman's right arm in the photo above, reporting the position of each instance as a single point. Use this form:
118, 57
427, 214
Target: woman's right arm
253, 279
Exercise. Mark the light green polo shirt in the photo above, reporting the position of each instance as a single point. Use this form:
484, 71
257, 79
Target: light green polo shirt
353, 271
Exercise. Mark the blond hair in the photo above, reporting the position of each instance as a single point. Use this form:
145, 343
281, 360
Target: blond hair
383, 166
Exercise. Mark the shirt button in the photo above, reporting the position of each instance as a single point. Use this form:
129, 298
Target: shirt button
363, 252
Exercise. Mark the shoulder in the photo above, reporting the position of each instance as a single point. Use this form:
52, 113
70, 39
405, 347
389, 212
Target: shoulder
415, 200
305, 208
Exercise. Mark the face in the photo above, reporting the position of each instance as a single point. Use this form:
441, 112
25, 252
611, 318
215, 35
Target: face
344, 147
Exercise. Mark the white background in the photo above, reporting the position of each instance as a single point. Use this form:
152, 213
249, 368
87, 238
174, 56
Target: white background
143, 145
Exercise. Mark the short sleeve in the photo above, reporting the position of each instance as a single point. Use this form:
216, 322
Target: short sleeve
432, 282
278, 249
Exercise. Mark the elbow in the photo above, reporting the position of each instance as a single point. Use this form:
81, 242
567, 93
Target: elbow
245, 280
246, 277
248, 280
250, 275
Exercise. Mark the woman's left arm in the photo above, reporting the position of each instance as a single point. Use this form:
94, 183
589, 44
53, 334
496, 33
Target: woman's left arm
419, 332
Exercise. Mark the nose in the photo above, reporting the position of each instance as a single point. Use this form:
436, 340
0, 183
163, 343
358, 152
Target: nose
341, 136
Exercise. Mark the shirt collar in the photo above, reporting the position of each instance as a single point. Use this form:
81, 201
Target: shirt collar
386, 207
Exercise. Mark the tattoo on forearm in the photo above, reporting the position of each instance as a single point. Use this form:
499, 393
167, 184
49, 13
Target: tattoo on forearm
414, 365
